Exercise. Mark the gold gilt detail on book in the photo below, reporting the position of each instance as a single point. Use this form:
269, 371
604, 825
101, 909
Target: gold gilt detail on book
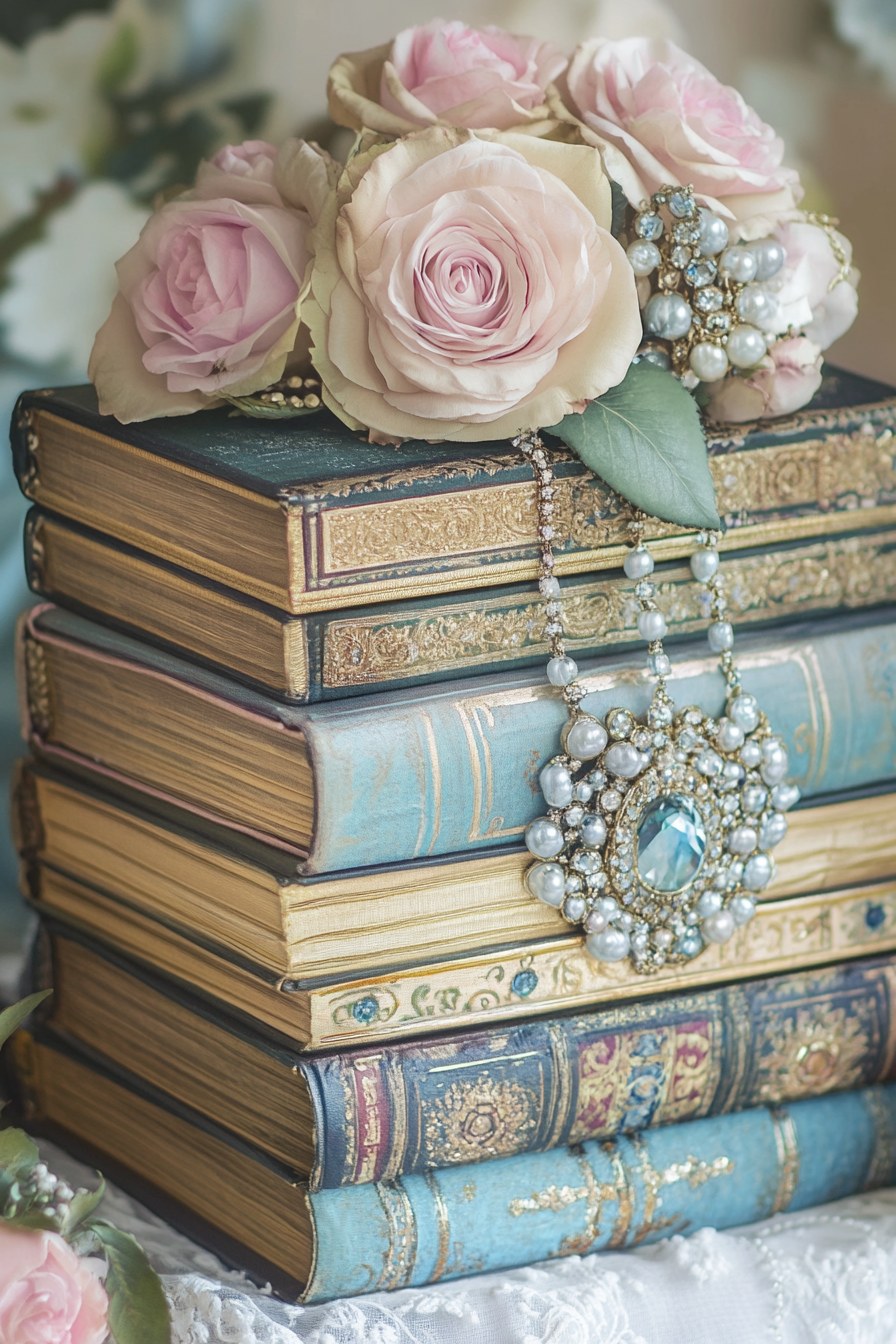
784, 934
788, 1149
478, 1118
398, 1263
29, 477
40, 701
838, 472
694, 1170
820, 1049
882, 1166
849, 572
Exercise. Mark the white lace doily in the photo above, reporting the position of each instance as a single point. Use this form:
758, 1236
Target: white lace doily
826, 1276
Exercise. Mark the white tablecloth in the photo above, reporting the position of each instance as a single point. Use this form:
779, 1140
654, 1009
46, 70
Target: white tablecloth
826, 1276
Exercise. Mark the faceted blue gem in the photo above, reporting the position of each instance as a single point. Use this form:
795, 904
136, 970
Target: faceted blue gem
671, 843
875, 916
365, 1010
523, 983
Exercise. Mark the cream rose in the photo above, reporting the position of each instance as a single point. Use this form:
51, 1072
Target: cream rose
784, 380
466, 287
210, 296
446, 74
659, 116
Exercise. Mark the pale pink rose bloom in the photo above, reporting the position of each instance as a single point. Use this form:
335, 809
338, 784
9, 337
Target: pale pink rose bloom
466, 289
48, 1295
816, 290
209, 296
785, 380
446, 74
660, 117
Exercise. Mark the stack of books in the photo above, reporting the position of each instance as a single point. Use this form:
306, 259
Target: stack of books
286, 708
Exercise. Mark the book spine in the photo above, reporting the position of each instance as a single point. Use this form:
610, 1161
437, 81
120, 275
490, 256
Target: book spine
573, 1201
409, 776
526, 1088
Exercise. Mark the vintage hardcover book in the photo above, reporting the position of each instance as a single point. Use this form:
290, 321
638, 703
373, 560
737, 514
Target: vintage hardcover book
326, 655
498, 984
307, 517
412, 774
420, 1229
214, 883
470, 1096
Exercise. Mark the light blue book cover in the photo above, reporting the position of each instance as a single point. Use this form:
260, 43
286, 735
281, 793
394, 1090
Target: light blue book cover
720, 1172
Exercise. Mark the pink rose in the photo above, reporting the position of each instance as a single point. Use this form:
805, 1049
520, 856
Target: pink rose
466, 287
48, 1295
816, 287
786, 379
658, 116
446, 74
209, 296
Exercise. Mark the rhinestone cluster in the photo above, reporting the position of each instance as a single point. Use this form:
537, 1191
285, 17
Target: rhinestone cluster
711, 307
657, 835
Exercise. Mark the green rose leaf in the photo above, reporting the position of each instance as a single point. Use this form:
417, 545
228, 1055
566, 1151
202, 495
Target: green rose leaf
18, 1153
83, 1204
138, 1310
11, 1018
644, 438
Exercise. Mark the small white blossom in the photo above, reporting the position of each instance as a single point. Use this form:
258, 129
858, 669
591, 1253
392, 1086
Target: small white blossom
61, 288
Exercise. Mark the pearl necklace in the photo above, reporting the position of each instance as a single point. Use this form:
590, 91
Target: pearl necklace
657, 834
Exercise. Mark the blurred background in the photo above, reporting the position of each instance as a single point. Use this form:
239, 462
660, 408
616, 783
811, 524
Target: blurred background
103, 105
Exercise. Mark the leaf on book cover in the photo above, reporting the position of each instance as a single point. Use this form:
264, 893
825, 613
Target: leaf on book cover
12, 1018
138, 1310
644, 438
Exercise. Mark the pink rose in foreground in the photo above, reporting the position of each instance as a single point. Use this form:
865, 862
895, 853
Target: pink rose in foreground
209, 297
660, 117
786, 379
466, 287
48, 1295
448, 74
816, 288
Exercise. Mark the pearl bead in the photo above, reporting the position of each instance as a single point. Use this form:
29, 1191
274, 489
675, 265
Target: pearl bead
746, 346
753, 797
625, 760
770, 257
574, 908
756, 305
556, 785
784, 796
596, 922
659, 664
638, 563
743, 839
585, 738
561, 671
742, 908
774, 829
758, 872
718, 928
774, 763
611, 945
662, 938
643, 256
593, 832
667, 316
751, 754
544, 839
704, 563
652, 354
720, 636
709, 903
729, 736
740, 263
547, 882
713, 233
652, 625
708, 361
744, 711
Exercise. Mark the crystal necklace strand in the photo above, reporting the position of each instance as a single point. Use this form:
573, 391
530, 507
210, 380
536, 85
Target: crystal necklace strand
657, 834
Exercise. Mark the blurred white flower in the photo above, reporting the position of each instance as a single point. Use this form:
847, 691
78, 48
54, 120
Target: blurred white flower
569, 22
870, 25
51, 112
61, 288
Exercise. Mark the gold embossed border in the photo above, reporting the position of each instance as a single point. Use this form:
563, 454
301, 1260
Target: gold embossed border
785, 935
